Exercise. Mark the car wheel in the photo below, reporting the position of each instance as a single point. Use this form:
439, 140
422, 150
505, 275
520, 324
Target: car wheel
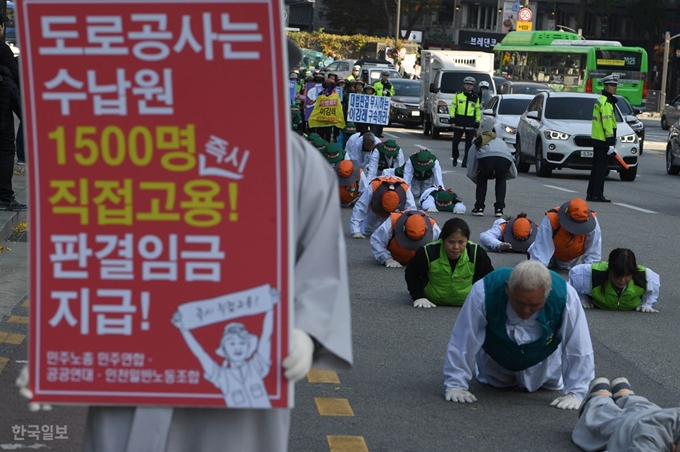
664, 123
426, 127
629, 174
435, 133
522, 166
671, 169
542, 167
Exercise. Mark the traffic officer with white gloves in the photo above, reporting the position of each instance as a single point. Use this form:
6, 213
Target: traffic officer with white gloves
422, 171
360, 146
466, 115
617, 284
383, 196
603, 134
396, 241
521, 327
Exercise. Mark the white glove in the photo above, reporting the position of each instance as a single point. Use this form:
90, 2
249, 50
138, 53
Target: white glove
460, 396
587, 304
611, 150
567, 402
22, 384
423, 303
503, 246
299, 362
459, 208
647, 309
391, 263
358, 235
432, 209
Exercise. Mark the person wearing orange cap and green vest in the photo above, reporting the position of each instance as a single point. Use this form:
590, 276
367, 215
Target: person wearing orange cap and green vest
443, 272
383, 196
422, 171
396, 241
617, 284
352, 181
510, 234
385, 155
568, 235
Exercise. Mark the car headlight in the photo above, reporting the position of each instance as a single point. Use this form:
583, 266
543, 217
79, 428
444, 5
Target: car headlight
394, 104
509, 129
632, 138
442, 107
555, 135
637, 126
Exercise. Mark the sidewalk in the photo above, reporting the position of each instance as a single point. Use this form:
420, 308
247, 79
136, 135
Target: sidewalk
14, 255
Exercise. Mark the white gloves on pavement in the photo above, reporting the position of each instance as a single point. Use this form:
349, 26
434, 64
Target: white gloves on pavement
299, 362
22, 384
567, 402
587, 304
647, 309
432, 209
358, 235
423, 303
611, 150
503, 246
460, 396
391, 263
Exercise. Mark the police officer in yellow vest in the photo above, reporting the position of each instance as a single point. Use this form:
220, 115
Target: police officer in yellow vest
603, 133
382, 88
355, 73
465, 114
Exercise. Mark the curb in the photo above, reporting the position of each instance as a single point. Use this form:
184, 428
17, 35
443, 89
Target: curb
9, 220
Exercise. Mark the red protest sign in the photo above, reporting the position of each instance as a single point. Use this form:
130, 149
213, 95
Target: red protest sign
160, 259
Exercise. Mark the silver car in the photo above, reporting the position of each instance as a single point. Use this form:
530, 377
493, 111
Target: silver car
671, 113
507, 109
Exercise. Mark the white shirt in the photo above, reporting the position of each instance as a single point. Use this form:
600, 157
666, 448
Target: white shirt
491, 238
393, 162
580, 279
419, 186
354, 148
543, 247
382, 236
570, 368
364, 220
426, 201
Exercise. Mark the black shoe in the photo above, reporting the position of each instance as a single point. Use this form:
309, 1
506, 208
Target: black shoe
13, 206
498, 213
455, 163
600, 199
589, 198
621, 388
464, 165
478, 212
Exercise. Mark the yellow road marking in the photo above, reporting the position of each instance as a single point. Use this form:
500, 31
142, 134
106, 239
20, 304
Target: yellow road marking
11, 338
333, 407
323, 376
3, 362
17, 319
25, 303
347, 443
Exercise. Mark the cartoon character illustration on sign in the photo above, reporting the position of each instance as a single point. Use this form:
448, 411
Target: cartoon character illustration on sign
247, 361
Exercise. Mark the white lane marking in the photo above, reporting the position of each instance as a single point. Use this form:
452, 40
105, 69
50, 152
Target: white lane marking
561, 189
634, 208
21, 361
390, 135
420, 146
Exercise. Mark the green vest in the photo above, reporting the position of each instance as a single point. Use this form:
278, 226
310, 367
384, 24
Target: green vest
380, 89
420, 175
462, 106
446, 287
383, 163
604, 120
604, 294
498, 344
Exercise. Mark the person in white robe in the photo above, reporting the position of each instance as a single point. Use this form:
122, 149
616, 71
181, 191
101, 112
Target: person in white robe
375, 204
360, 146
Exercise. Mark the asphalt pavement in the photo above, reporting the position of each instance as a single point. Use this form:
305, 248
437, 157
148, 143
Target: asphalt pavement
393, 400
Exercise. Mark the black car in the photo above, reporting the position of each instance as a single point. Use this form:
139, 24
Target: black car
630, 115
673, 150
404, 103
512, 87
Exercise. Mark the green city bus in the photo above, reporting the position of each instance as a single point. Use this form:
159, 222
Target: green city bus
568, 63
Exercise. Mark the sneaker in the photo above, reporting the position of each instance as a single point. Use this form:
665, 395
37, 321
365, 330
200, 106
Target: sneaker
498, 213
13, 205
478, 212
621, 388
598, 387
21, 163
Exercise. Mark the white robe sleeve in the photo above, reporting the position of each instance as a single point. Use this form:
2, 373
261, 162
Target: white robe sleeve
650, 297
436, 231
380, 239
410, 200
360, 210
593, 245
437, 179
400, 158
427, 201
491, 238
372, 169
408, 172
351, 147
578, 362
543, 247
467, 338
579, 278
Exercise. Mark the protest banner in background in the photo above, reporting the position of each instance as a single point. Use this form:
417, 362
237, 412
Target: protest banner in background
292, 85
150, 247
312, 90
368, 109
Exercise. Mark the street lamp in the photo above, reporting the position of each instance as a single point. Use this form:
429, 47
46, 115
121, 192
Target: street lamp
398, 35
664, 76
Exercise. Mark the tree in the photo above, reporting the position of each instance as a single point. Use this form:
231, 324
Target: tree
354, 16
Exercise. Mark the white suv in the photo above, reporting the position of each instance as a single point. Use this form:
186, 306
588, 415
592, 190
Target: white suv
554, 133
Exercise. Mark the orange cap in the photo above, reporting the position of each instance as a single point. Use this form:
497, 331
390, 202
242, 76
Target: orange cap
415, 227
578, 210
390, 201
521, 228
345, 168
